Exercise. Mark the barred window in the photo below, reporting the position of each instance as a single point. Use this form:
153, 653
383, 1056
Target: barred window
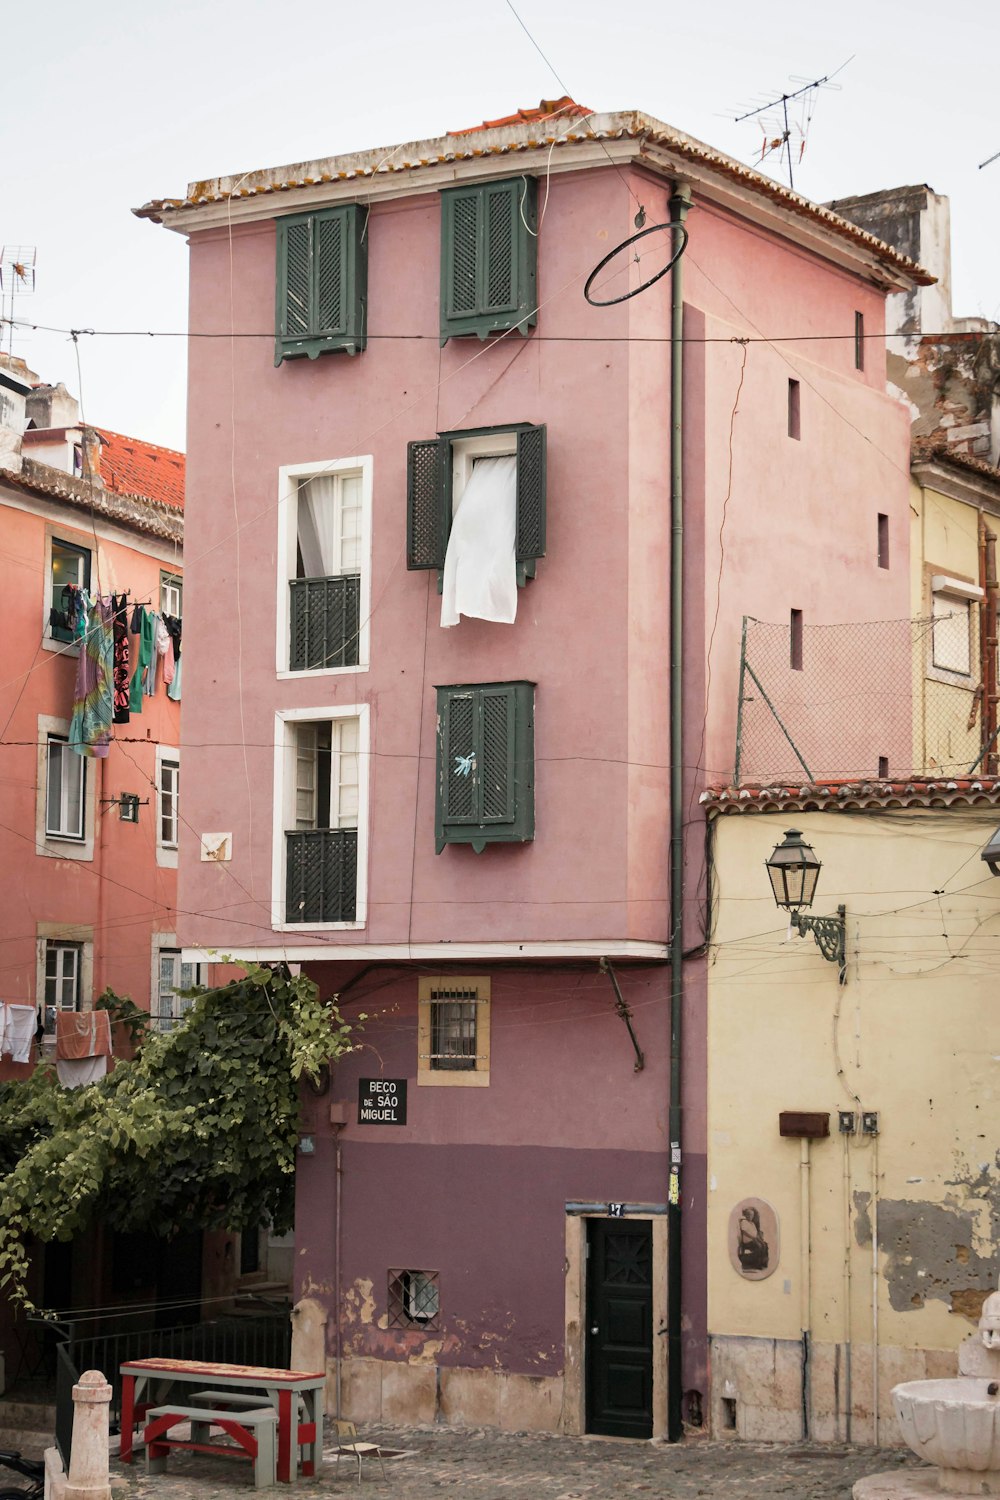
414, 1299
453, 1033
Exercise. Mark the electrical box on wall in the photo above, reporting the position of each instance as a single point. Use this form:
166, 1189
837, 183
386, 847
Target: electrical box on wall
869, 1122
848, 1122
804, 1124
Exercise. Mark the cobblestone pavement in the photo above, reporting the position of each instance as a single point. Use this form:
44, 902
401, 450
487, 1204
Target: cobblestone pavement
487, 1465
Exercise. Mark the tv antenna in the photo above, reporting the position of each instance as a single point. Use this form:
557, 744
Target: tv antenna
17, 279
781, 129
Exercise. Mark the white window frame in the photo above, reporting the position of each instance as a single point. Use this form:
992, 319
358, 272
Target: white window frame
464, 452
60, 845
70, 765
82, 938
171, 583
165, 945
69, 538
166, 852
957, 596
288, 500
283, 807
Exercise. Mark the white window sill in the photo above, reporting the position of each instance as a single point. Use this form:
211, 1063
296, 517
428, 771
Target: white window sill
61, 648
54, 847
285, 674
166, 858
305, 927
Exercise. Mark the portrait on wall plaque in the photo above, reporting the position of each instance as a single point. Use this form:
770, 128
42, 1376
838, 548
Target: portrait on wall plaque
753, 1239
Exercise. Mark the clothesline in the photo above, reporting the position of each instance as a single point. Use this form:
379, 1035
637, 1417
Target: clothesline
113, 674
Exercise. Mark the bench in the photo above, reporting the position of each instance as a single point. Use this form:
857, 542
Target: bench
253, 1433
250, 1401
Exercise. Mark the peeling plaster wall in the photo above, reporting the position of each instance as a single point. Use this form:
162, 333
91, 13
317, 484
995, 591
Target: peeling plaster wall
914, 1035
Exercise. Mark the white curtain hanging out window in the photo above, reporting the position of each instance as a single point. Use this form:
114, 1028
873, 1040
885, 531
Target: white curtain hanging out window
317, 518
480, 574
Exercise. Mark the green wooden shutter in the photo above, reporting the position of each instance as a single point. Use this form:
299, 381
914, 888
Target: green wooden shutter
530, 542
488, 258
321, 283
485, 782
426, 522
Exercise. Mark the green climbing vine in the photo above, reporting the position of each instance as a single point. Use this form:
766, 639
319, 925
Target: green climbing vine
199, 1131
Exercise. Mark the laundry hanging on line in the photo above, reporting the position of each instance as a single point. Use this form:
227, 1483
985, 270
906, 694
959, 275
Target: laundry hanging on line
93, 698
17, 1030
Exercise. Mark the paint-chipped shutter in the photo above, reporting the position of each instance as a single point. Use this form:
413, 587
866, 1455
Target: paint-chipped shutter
485, 791
488, 258
426, 531
530, 495
321, 283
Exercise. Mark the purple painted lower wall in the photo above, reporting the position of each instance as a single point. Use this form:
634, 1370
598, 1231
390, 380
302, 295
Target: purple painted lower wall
489, 1220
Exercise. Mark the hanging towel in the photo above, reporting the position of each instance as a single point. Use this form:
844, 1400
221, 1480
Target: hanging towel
76, 1073
165, 649
174, 690
17, 1030
93, 699
83, 1033
480, 572
144, 658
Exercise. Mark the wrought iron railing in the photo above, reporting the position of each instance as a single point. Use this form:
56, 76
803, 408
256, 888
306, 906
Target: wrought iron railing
325, 622
321, 875
108, 1338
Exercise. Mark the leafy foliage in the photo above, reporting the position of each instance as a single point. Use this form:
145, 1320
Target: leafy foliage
123, 1009
199, 1131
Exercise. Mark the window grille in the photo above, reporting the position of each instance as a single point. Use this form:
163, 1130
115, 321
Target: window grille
414, 1299
454, 1026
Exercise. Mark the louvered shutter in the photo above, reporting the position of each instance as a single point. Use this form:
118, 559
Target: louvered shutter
426, 533
485, 788
460, 757
496, 754
330, 254
322, 283
488, 258
462, 239
530, 494
498, 266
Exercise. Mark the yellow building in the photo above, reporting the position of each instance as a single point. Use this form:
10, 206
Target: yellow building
854, 1128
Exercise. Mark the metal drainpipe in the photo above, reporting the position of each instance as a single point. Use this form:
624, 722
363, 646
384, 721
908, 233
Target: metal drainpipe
680, 202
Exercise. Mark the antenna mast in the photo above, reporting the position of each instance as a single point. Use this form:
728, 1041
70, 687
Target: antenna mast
786, 128
17, 279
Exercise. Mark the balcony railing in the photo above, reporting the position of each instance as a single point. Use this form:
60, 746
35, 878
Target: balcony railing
321, 875
325, 622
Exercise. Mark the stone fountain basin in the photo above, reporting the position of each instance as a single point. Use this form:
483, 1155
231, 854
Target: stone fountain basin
952, 1423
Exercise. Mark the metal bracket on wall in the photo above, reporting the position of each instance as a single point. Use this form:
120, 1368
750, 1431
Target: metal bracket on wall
622, 1010
830, 934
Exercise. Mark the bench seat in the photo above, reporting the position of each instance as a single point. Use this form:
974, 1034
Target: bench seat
253, 1433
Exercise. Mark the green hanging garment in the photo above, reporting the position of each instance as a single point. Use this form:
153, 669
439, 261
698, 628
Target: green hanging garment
145, 633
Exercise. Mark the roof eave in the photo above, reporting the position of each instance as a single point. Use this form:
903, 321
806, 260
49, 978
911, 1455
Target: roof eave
623, 136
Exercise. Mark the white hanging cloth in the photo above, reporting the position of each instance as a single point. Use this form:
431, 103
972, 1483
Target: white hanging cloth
317, 516
480, 573
17, 1030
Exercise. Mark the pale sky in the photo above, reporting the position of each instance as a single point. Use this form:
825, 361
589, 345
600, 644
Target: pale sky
113, 103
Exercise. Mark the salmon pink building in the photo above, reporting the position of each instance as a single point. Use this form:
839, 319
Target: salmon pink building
469, 554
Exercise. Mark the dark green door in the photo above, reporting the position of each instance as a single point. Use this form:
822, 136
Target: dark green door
620, 1327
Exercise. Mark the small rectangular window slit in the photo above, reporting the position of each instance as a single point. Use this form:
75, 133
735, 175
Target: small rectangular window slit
794, 410
795, 641
883, 540
859, 341
883, 768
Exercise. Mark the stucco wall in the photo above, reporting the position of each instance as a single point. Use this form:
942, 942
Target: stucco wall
912, 1035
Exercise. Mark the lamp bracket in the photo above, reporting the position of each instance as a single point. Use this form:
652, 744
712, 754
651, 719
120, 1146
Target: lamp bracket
830, 934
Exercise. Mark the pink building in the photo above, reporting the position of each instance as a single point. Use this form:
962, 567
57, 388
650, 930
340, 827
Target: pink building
88, 845
464, 829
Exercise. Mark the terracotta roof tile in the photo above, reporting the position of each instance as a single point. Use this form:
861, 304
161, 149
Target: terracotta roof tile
130, 466
826, 796
547, 109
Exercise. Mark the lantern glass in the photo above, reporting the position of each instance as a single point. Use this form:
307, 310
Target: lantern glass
793, 870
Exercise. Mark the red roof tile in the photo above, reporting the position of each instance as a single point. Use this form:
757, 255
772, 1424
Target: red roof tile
823, 796
130, 466
565, 106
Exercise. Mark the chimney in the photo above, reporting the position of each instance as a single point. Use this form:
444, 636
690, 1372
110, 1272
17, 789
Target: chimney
53, 406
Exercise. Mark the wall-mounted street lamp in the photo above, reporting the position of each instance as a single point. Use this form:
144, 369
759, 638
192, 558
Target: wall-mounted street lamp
991, 854
794, 870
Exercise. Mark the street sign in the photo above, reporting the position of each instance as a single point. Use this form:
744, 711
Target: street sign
381, 1101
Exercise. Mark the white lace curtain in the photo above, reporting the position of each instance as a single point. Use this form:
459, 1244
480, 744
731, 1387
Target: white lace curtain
480, 574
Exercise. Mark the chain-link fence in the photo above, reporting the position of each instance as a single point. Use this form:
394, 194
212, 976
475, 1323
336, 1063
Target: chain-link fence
882, 699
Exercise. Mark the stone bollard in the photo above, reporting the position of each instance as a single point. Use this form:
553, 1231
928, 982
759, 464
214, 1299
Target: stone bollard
88, 1477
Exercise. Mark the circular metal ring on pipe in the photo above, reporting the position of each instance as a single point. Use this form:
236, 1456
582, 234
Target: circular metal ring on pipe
672, 224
